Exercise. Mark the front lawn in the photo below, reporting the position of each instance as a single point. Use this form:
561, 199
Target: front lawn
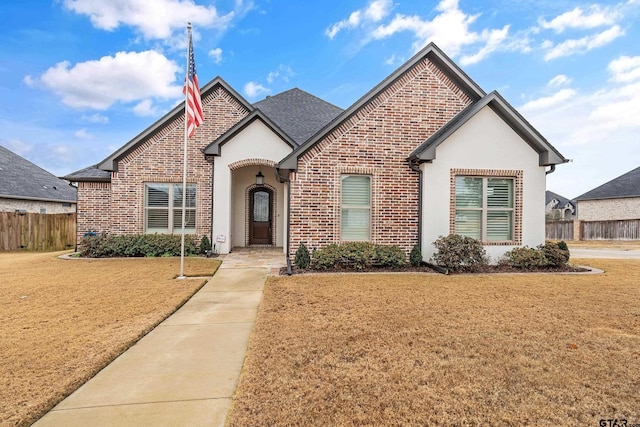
61, 321
416, 349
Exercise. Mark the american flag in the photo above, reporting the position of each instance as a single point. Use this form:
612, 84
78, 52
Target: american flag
192, 90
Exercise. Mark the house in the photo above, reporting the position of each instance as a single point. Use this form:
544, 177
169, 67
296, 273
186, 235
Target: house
558, 208
618, 199
423, 154
25, 187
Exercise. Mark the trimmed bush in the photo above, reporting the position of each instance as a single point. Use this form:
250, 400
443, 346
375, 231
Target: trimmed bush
415, 257
524, 258
302, 259
205, 245
358, 255
326, 258
389, 256
555, 254
459, 253
136, 245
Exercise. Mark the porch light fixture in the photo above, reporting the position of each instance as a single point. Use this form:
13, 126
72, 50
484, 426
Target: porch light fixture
259, 178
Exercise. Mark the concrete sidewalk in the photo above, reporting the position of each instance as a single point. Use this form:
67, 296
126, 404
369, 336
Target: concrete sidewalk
184, 372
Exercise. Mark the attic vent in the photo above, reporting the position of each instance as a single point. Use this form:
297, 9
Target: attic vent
55, 188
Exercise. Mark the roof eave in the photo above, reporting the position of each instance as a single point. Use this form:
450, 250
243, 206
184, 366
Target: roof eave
42, 199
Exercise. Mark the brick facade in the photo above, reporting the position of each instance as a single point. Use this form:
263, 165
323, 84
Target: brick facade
376, 140
609, 209
118, 207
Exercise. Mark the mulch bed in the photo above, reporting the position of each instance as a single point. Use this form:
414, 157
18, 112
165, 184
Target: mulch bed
488, 269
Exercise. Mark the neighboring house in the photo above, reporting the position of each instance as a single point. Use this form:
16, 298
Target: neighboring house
423, 154
25, 187
617, 199
558, 208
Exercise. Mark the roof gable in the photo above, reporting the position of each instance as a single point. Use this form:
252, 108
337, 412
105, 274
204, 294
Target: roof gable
548, 154
21, 179
626, 185
431, 52
562, 201
298, 113
214, 148
111, 162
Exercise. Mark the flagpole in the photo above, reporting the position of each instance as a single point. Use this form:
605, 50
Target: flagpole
184, 155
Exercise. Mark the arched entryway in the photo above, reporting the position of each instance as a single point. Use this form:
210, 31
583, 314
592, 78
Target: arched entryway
260, 216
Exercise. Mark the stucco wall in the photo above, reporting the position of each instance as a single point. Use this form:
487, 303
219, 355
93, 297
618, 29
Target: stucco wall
375, 141
484, 142
35, 206
609, 209
255, 145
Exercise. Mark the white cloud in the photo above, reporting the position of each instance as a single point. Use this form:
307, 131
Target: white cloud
254, 90
18, 146
374, 12
625, 69
157, 19
284, 73
216, 54
145, 108
584, 44
29, 81
125, 77
96, 118
559, 80
577, 18
82, 134
546, 102
494, 40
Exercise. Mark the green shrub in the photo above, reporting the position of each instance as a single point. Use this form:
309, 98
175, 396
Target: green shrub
358, 255
389, 256
326, 258
137, 245
205, 245
302, 259
524, 258
554, 254
415, 257
459, 253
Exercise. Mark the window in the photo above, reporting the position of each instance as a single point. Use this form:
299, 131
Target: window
163, 208
484, 208
356, 208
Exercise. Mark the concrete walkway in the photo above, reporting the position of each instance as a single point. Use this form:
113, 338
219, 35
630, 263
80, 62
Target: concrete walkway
185, 371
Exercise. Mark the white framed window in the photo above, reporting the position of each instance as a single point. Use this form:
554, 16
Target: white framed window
484, 208
356, 208
163, 208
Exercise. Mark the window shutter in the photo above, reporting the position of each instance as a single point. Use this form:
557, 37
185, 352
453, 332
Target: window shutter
499, 225
356, 208
355, 191
468, 192
158, 195
469, 223
500, 193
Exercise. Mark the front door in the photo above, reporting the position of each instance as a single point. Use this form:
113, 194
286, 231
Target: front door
260, 216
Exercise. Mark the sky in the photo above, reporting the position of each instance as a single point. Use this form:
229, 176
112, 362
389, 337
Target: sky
80, 78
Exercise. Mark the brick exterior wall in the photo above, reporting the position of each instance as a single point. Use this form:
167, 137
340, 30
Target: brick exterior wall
375, 141
159, 158
93, 208
609, 209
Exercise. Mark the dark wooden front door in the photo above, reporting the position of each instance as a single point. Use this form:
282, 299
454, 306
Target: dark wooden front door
260, 217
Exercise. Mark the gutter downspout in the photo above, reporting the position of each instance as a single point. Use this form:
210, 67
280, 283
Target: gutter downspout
550, 171
415, 166
213, 244
288, 230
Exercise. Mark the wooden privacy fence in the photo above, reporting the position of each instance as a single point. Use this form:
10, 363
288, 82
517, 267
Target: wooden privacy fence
626, 229
559, 230
37, 232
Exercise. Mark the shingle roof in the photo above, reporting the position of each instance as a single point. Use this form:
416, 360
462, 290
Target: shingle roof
562, 201
627, 185
91, 173
21, 179
298, 113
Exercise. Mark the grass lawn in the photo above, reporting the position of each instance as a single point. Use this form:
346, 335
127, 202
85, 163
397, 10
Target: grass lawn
414, 349
61, 321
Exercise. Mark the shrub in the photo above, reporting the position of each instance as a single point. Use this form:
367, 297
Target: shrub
358, 255
137, 245
326, 258
415, 257
524, 258
389, 256
302, 259
459, 253
205, 245
555, 254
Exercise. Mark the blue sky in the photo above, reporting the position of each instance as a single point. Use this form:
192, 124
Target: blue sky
80, 78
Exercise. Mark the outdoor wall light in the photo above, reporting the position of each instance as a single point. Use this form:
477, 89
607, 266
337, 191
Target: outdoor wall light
259, 178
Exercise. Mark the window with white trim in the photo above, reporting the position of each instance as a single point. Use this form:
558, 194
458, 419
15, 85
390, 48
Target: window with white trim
485, 208
163, 208
356, 208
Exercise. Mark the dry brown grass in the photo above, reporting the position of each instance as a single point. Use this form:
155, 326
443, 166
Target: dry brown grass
417, 349
624, 245
61, 321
